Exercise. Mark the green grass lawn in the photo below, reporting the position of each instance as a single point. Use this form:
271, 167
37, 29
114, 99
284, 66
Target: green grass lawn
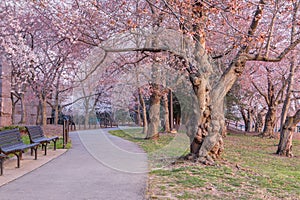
162, 152
249, 169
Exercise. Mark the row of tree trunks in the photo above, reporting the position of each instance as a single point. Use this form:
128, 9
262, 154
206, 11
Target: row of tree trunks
159, 97
41, 109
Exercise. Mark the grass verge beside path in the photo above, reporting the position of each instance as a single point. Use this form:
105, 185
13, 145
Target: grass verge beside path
249, 170
135, 135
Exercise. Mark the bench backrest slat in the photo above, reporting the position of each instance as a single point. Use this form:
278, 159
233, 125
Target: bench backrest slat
35, 132
10, 137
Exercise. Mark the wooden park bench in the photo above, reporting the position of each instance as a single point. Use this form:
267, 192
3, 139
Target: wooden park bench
11, 143
2, 156
36, 135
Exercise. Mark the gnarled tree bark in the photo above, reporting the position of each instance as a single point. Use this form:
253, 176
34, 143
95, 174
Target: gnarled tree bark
210, 91
287, 131
270, 123
154, 113
285, 143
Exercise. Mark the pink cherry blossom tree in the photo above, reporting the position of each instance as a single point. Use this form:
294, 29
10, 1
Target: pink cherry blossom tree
227, 38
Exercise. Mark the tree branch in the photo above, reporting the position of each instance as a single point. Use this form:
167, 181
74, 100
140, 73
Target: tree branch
237, 65
86, 96
261, 93
280, 93
150, 49
276, 59
224, 53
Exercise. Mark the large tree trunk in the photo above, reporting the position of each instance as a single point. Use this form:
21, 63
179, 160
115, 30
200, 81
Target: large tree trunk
270, 123
86, 118
251, 120
56, 110
23, 110
44, 111
285, 142
293, 69
38, 114
171, 110
247, 124
56, 114
138, 113
259, 123
247, 117
154, 113
166, 113
210, 91
287, 131
207, 144
144, 112
206, 133
13, 109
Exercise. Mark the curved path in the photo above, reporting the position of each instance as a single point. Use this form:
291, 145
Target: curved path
98, 166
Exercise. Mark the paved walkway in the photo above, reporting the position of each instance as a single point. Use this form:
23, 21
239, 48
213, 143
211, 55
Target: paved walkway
98, 166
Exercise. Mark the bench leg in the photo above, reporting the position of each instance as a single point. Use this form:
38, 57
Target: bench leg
1, 166
19, 157
35, 152
54, 144
45, 146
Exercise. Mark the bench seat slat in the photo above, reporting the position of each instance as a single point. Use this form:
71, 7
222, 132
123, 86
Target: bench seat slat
18, 147
45, 139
